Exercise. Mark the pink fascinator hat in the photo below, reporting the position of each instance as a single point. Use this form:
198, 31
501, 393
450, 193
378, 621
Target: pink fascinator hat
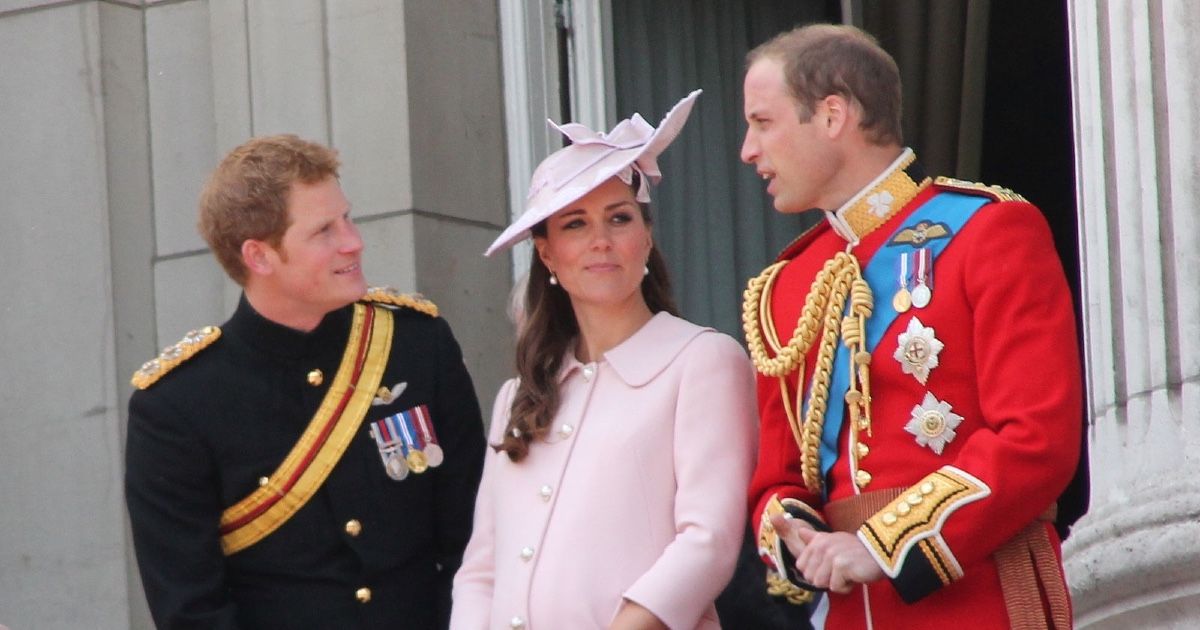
592, 159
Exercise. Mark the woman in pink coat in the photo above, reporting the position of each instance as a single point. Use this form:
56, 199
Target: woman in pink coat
615, 495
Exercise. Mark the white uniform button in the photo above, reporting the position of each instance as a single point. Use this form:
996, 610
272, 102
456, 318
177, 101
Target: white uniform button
516, 622
526, 553
566, 430
545, 492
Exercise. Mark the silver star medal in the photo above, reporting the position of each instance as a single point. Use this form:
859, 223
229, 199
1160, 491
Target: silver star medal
933, 423
917, 350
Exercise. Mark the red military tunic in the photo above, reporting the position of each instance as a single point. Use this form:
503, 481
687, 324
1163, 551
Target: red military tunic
963, 468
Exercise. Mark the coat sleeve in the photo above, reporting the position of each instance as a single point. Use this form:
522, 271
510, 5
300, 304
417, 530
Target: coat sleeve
714, 448
474, 582
1030, 392
778, 485
172, 494
461, 435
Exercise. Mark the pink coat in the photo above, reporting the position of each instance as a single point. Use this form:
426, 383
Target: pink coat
639, 492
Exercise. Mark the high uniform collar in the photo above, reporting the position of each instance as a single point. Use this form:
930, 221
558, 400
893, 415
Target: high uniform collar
646, 353
872, 206
273, 338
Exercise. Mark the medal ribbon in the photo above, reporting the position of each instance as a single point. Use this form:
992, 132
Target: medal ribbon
411, 437
422, 415
951, 209
329, 433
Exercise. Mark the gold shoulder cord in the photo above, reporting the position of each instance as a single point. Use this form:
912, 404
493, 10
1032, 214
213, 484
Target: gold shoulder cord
840, 278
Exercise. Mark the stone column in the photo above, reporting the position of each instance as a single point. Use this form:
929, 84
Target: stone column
1134, 560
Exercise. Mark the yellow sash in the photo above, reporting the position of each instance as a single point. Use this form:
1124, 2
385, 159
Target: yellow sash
330, 431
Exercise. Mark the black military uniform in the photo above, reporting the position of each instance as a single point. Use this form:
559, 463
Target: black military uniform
366, 551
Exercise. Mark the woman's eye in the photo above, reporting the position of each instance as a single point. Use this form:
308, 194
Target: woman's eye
572, 224
622, 217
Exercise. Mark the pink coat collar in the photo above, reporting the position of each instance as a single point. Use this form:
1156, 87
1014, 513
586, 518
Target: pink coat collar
646, 353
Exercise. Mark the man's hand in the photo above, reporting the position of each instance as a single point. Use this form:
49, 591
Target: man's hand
836, 561
788, 530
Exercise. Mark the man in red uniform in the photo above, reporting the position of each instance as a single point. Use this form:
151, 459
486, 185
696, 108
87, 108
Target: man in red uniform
919, 382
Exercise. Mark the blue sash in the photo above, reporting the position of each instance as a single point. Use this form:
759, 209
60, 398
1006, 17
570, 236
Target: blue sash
950, 209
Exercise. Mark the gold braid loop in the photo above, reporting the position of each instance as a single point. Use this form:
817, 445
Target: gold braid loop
840, 278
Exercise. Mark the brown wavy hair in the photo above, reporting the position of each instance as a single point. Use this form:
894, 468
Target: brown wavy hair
547, 331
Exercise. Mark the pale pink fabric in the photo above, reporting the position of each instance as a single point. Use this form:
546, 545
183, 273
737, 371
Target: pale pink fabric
646, 493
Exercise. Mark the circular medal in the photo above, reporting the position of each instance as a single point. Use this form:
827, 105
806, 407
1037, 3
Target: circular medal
921, 296
396, 467
416, 461
434, 455
902, 300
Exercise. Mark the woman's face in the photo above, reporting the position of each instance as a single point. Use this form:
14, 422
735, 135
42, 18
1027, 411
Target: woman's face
598, 247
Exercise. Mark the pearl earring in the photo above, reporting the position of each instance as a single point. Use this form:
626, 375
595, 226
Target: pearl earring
553, 279
645, 270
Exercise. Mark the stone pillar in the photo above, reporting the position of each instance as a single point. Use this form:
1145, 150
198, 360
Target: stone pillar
1134, 560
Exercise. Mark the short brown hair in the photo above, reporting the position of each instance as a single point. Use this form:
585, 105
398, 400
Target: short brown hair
823, 59
246, 197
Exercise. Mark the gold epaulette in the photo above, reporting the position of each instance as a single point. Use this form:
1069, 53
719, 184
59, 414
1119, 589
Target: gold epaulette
414, 301
998, 193
173, 355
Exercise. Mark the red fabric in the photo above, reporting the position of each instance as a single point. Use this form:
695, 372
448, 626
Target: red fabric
1010, 367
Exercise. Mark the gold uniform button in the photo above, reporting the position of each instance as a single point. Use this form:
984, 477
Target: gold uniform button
863, 450
353, 527
889, 518
927, 487
262, 481
862, 478
915, 499
363, 595
903, 509
316, 377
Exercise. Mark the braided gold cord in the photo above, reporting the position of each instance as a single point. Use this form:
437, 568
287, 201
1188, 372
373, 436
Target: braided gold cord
758, 322
840, 278
779, 586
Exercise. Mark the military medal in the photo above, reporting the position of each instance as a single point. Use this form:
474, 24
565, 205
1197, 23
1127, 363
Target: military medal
922, 293
933, 423
902, 300
416, 461
917, 350
399, 445
433, 452
389, 443
412, 442
396, 466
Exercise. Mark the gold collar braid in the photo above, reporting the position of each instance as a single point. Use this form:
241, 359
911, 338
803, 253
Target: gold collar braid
880, 200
